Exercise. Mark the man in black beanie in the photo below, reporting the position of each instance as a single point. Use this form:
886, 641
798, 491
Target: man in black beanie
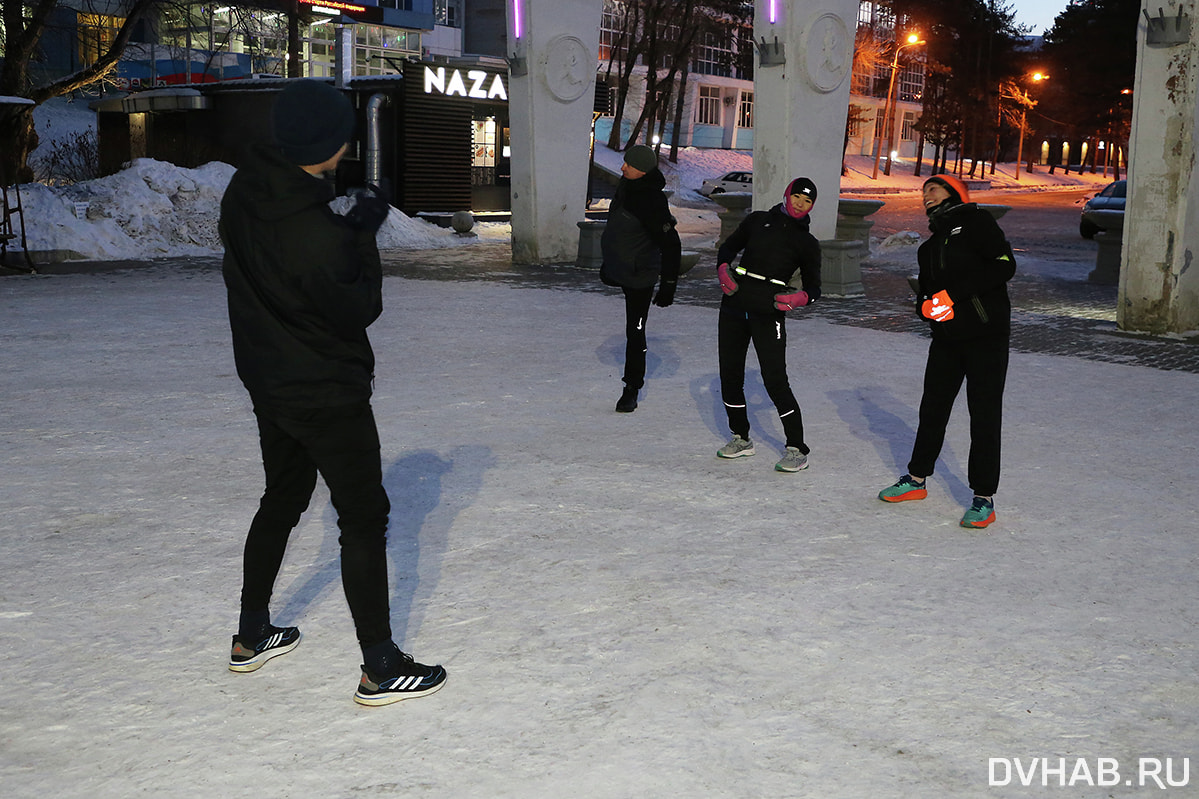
303, 286
639, 244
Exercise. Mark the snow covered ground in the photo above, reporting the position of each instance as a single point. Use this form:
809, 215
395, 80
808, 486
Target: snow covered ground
621, 613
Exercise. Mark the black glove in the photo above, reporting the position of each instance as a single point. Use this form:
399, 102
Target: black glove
665, 296
370, 210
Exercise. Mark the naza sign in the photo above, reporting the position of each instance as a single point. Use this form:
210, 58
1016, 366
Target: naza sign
477, 83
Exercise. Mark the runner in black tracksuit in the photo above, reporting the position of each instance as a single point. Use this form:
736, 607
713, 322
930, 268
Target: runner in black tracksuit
779, 270
964, 269
304, 284
640, 244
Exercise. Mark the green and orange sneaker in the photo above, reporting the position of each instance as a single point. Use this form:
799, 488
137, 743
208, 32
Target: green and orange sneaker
980, 514
907, 488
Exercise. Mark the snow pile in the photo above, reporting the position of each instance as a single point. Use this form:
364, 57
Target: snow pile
153, 209
149, 210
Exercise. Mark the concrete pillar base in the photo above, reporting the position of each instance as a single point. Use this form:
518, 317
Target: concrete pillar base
736, 206
841, 269
590, 256
1111, 242
852, 224
1107, 259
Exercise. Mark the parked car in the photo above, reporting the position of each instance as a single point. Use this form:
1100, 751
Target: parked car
1110, 199
730, 181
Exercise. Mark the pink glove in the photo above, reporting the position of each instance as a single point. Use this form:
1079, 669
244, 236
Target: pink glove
727, 284
789, 302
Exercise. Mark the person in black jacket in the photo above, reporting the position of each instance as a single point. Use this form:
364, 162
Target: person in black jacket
639, 244
964, 269
303, 286
779, 271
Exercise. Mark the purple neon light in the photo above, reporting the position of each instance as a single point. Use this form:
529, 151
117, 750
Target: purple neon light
773, 13
516, 17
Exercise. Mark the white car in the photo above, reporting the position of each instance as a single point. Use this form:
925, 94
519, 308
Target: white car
730, 181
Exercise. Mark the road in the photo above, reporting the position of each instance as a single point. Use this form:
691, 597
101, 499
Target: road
1044, 222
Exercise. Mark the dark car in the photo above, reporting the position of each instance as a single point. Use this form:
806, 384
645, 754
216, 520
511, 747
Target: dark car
1110, 199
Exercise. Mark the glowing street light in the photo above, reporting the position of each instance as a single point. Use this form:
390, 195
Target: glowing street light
1037, 77
888, 123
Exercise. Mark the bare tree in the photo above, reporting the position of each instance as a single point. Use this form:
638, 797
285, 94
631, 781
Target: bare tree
23, 27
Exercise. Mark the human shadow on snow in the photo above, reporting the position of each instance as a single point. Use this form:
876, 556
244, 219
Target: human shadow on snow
764, 424
873, 414
427, 492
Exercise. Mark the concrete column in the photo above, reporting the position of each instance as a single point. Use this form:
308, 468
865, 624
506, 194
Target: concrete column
552, 47
1159, 283
801, 97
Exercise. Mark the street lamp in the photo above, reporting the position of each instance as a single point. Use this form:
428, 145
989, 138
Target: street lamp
1037, 77
888, 123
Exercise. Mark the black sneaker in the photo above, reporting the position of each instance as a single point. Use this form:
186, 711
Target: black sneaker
413, 679
627, 402
248, 656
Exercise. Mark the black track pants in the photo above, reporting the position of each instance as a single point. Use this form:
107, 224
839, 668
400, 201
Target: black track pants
636, 309
768, 333
342, 445
982, 363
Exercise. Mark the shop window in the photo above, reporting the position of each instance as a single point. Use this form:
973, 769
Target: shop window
707, 106
483, 152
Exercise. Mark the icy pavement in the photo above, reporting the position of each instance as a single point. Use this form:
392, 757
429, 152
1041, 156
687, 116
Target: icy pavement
621, 613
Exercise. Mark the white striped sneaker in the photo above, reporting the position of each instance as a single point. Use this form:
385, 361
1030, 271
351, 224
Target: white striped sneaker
414, 679
251, 657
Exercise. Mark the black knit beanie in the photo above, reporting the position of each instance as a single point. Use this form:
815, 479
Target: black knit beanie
803, 186
312, 121
641, 158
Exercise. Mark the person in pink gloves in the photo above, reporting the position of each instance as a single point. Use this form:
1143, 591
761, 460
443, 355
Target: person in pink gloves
779, 271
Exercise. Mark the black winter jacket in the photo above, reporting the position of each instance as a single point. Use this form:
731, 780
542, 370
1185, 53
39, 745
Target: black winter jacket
302, 285
776, 246
969, 257
640, 242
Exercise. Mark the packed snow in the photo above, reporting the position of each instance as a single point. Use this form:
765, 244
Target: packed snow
620, 612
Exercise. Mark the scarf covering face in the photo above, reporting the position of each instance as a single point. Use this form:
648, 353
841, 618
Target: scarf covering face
802, 186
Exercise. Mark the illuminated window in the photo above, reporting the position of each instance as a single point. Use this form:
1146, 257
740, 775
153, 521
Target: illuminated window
96, 34
448, 13
745, 112
381, 50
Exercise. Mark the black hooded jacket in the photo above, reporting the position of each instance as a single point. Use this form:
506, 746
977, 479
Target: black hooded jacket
776, 246
302, 284
639, 240
969, 257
